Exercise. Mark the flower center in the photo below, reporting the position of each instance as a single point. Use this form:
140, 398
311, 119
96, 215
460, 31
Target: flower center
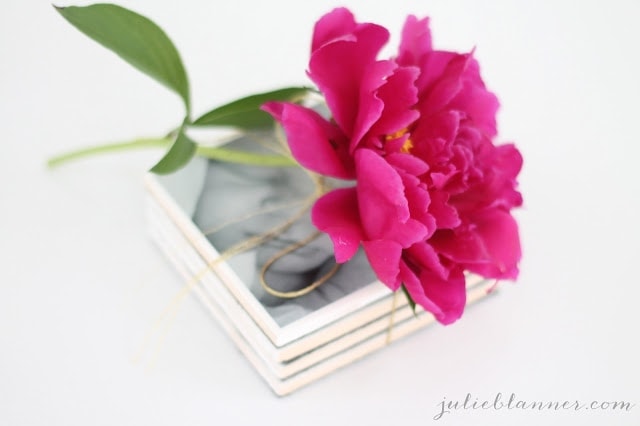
406, 146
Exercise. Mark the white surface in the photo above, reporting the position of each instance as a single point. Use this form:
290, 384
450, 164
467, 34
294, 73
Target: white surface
81, 284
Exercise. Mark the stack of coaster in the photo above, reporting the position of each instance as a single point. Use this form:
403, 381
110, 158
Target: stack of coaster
290, 341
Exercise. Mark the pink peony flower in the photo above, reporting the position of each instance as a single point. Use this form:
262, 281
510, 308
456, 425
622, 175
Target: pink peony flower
433, 194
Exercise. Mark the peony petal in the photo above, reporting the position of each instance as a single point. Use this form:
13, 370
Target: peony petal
497, 169
380, 192
443, 125
408, 163
433, 137
498, 231
333, 26
410, 232
501, 188
449, 295
336, 213
338, 68
415, 42
489, 246
508, 160
424, 255
399, 97
384, 210
446, 84
370, 106
414, 287
445, 215
314, 142
384, 258
432, 67
419, 200
445, 299
476, 101
460, 245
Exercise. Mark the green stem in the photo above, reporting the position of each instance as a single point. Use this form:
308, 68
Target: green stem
215, 153
243, 157
113, 147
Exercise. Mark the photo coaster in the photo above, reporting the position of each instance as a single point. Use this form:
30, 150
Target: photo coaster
290, 342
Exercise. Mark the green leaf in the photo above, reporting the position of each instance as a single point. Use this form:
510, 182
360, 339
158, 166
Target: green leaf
245, 113
134, 38
182, 150
412, 303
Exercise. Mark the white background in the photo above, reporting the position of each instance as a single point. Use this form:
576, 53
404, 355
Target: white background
81, 284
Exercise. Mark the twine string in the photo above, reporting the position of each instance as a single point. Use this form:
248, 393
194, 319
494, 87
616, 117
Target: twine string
394, 303
282, 253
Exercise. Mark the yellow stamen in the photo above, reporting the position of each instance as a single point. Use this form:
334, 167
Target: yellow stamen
396, 135
406, 146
